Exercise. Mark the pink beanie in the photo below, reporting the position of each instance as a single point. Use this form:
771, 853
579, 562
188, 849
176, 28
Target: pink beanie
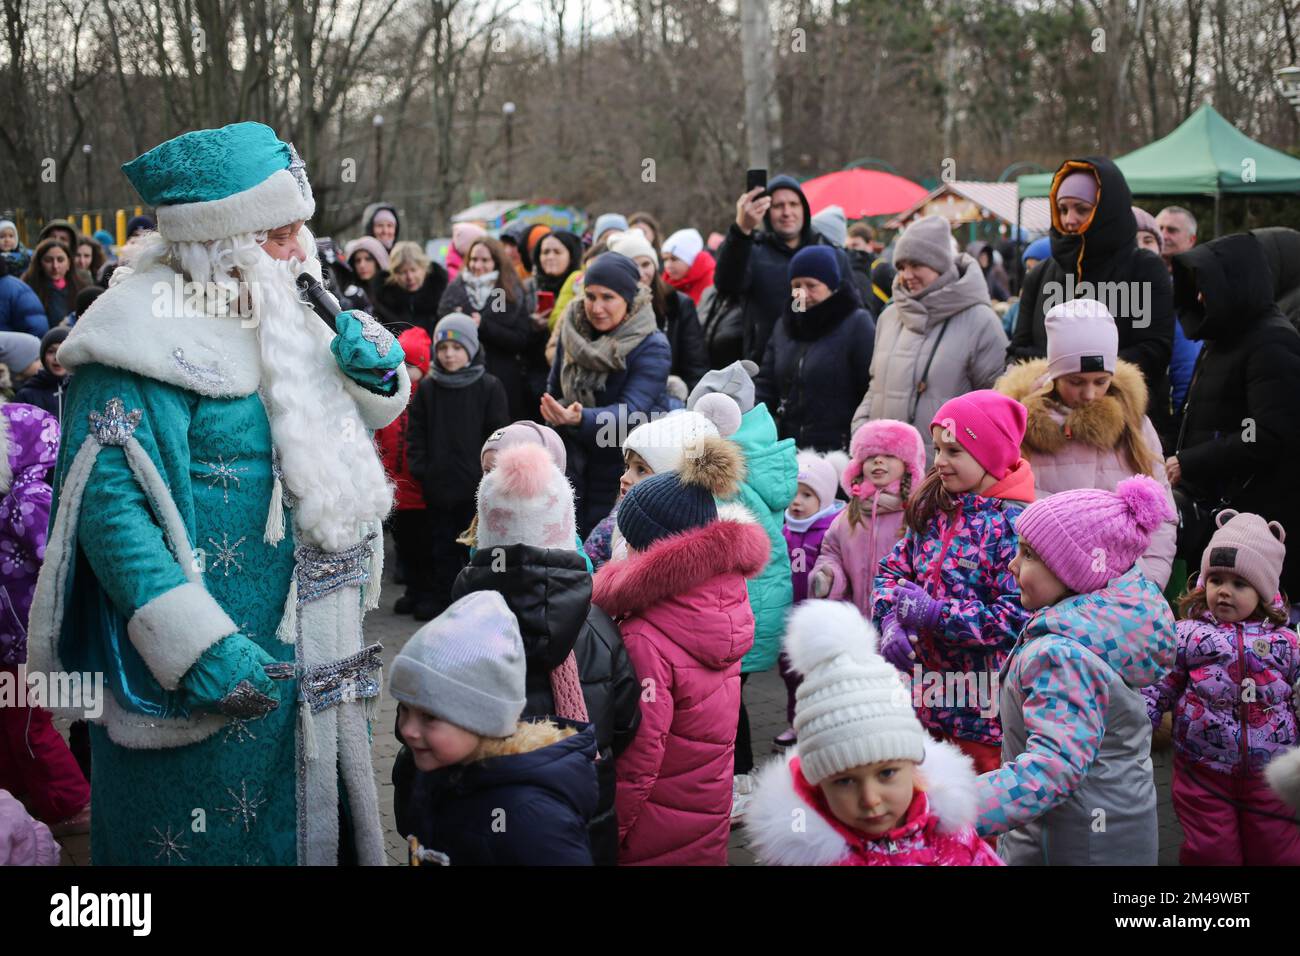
1249, 547
987, 424
527, 433
463, 234
1079, 185
1088, 536
1147, 223
819, 475
1081, 337
884, 436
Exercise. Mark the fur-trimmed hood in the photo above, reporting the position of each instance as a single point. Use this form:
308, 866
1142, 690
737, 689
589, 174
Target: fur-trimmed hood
673, 573
1100, 424
947, 776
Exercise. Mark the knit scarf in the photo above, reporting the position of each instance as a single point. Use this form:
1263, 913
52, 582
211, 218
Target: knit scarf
590, 356
478, 288
465, 377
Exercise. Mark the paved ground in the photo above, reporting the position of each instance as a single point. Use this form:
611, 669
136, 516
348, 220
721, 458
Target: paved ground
764, 698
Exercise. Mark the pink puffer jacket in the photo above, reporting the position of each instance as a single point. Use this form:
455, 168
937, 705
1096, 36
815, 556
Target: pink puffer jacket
24, 841
852, 555
684, 612
1073, 448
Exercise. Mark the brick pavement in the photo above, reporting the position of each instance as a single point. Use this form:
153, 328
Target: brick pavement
764, 698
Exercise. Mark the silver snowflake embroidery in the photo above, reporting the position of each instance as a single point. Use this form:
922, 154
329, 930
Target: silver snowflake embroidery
223, 473
238, 730
169, 844
227, 553
245, 809
298, 169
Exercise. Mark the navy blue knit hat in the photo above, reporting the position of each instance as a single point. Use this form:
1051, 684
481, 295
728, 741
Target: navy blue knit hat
616, 272
816, 262
673, 502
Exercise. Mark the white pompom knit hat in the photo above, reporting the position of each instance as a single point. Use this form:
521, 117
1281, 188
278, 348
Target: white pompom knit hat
525, 499
852, 708
665, 442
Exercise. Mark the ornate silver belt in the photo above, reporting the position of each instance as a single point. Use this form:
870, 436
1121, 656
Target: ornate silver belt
325, 685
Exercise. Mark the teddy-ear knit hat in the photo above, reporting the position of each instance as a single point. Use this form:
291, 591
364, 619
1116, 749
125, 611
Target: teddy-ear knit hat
1089, 536
664, 442
1250, 547
852, 707
987, 424
466, 667
883, 436
674, 502
525, 499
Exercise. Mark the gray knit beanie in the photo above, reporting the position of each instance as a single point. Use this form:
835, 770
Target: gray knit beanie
466, 667
459, 328
927, 241
736, 380
852, 708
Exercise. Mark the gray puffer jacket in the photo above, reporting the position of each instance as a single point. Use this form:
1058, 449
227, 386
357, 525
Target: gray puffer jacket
950, 320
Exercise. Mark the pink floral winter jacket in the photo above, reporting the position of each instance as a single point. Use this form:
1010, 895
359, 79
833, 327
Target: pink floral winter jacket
683, 610
937, 830
1233, 691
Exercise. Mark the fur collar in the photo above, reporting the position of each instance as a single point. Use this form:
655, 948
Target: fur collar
678, 564
949, 780
1099, 424
528, 736
216, 356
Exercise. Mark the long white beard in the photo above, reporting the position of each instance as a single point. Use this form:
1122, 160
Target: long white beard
328, 460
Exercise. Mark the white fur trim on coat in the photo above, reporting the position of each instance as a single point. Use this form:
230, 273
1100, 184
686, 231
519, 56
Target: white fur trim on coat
173, 630
143, 325
377, 410
785, 831
143, 732
274, 202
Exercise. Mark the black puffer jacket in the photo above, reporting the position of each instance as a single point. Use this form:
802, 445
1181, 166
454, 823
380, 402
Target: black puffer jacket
400, 310
1240, 438
817, 368
445, 435
549, 592
514, 345
1106, 251
755, 268
681, 323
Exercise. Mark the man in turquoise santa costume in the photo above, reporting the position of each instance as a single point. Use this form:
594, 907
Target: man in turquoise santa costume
215, 543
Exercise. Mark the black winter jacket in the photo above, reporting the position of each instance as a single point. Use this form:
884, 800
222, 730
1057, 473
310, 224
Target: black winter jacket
1240, 438
515, 346
755, 268
45, 390
1282, 252
400, 310
816, 370
1106, 251
525, 809
549, 592
445, 436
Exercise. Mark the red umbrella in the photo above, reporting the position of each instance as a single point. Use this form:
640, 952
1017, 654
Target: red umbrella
863, 192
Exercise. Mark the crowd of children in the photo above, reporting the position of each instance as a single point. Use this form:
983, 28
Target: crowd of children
974, 664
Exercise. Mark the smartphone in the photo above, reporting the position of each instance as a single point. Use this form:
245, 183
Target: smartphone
756, 179
545, 302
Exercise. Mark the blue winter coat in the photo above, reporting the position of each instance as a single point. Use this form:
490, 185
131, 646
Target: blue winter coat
629, 398
518, 809
1181, 366
816, 369
20, 308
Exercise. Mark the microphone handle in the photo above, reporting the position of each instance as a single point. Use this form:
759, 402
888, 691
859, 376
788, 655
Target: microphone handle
322, 303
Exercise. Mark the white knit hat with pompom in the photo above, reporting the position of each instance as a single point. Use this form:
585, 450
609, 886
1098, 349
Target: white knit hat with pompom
852, 708
525, 499
665, 442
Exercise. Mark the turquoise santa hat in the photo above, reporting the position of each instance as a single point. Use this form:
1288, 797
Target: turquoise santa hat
216, 183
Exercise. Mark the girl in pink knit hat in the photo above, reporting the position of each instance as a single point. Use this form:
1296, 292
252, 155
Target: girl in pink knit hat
1233, 693
946, 602
1075, 786
887, 462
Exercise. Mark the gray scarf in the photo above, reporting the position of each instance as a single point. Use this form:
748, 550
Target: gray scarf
590, 356
467, 376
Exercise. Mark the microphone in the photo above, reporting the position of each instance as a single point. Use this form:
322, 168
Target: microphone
322, 303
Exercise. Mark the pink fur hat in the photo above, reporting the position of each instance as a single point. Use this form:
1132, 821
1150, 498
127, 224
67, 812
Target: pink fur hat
885, 436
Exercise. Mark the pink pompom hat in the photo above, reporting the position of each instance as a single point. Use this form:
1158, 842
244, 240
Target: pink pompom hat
1088, 536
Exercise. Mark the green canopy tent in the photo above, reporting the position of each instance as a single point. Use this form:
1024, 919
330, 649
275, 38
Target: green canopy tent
1205, 156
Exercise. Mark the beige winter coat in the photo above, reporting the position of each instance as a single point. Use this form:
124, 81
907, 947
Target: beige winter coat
971, 353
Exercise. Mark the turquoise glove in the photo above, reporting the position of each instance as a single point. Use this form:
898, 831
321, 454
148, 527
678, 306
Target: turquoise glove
229, 677
366, 351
